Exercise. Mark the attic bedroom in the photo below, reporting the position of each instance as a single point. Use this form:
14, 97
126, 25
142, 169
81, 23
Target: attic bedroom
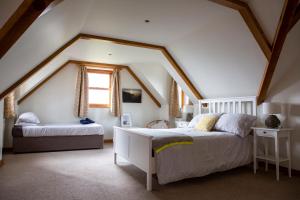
173, 99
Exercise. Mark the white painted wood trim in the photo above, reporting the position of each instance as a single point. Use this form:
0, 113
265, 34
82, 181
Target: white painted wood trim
136, 148
228, 105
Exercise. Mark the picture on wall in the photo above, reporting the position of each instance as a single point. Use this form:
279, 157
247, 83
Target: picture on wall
132, 95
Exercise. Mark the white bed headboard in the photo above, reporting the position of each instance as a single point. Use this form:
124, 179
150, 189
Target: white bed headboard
245, 105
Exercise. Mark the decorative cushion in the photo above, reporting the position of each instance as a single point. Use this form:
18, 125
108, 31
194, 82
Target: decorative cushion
207, 122
28, 117
197, 119
239, 124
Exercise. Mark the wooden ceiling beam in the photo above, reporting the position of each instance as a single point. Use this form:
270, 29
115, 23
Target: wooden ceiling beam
282, 31
120, 41
234, 4
251, 22
164, 51
97, 64
38, 67
107, 65
296, 18
181, 73
18, 23
143, 86
91, 64
51, 6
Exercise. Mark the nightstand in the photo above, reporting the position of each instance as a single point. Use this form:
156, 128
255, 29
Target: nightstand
276, 134
181, 124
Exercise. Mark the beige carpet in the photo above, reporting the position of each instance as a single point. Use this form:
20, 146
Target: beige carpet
91, 174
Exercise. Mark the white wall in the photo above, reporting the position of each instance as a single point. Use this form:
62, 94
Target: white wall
285, 89
54, 102
1, 128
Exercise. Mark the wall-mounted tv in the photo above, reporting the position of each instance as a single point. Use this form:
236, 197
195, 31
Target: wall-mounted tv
131, 95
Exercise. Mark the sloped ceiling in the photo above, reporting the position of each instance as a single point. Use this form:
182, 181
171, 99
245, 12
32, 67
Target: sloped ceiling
146, 63
43, 37
267, 13
210, 42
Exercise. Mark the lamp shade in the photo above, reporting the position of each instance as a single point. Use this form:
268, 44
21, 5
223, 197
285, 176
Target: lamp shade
188, 109
271, 108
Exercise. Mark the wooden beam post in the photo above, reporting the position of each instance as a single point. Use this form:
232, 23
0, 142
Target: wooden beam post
143, 86
282, 31
251, 22
295, 18
38, 67
18, 23
181, 73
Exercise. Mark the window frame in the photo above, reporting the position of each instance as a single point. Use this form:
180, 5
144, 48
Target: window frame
101, 71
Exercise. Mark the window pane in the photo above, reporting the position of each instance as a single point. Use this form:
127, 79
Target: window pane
179, 90
98, 80
98, 96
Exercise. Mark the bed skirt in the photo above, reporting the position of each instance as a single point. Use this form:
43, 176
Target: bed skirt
56, 143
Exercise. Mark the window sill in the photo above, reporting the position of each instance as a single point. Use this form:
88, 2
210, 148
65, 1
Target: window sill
99, 106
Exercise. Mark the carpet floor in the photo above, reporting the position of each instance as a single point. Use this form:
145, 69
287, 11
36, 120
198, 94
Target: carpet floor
91, 174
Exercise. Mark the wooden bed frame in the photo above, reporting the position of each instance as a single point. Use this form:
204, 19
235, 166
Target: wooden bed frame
137, 147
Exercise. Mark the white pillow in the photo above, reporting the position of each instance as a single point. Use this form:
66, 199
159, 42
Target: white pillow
28, 117
197, 119
238, 124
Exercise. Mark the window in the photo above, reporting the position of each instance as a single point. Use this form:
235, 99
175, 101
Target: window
183, 98
99, 88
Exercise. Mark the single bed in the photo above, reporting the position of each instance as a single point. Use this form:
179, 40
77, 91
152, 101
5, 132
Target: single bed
210, 152
57, 137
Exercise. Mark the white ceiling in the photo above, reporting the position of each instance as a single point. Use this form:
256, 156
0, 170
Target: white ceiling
210, 42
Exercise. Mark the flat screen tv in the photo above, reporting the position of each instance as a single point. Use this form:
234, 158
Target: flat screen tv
131, 95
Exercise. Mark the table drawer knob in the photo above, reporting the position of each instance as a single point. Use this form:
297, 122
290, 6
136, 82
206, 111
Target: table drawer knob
264, 132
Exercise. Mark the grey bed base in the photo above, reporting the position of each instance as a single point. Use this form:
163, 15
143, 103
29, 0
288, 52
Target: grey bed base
56, 143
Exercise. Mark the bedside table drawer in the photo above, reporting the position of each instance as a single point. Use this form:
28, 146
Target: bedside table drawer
265, 133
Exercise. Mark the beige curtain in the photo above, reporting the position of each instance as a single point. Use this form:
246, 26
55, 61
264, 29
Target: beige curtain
9, 106
174, 100
82, 93
115, 94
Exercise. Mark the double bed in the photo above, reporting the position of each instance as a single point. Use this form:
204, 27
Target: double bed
57, 137
210, 151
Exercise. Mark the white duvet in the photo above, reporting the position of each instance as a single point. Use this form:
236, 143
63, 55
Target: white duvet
62, 130
210, 152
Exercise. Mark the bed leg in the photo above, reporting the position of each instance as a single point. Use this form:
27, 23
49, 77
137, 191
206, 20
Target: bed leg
149, 181
115, 158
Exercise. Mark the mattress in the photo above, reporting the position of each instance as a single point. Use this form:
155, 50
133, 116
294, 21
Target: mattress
58, 130
210, 152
